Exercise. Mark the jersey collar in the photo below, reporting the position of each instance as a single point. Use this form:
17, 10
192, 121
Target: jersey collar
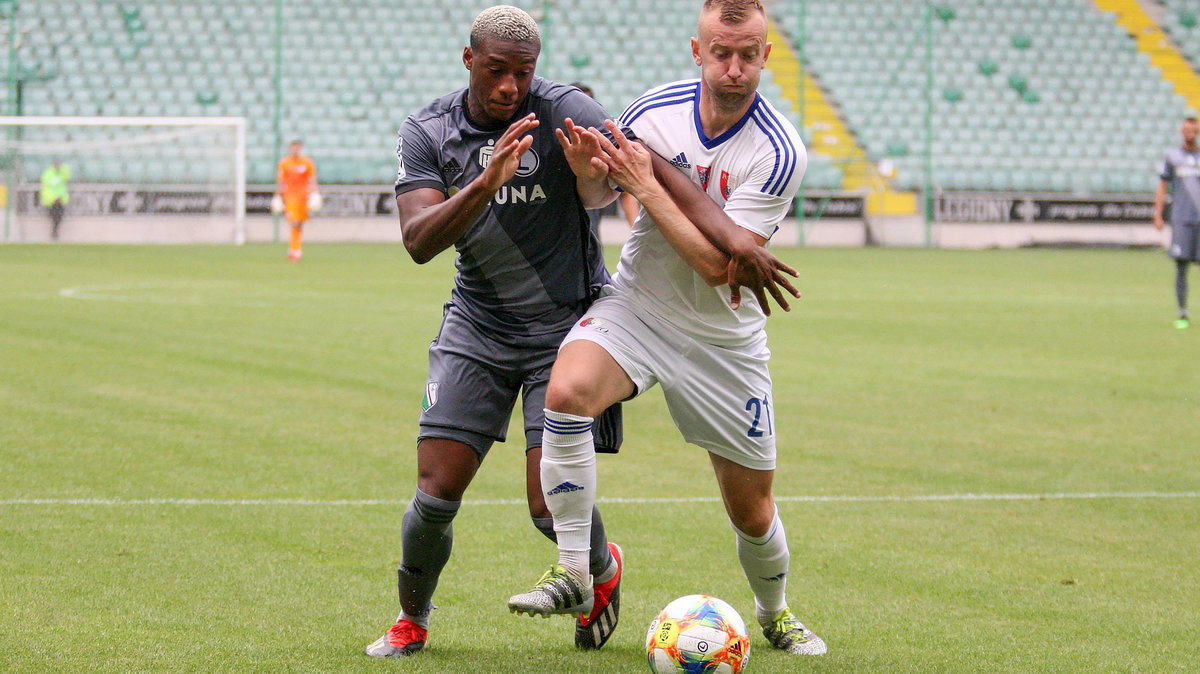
710, 143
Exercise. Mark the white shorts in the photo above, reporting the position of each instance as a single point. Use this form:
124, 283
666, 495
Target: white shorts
719, 397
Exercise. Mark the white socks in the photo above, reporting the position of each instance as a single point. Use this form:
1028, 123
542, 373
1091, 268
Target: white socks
569, 484
765, 560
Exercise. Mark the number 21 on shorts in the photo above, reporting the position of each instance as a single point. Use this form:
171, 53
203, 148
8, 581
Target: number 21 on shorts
761, 424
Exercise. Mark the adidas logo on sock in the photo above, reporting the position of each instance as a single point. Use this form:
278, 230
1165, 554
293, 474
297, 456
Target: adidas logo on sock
564, 488
680, 161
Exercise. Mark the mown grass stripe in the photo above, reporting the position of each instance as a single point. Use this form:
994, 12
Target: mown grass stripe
614, 500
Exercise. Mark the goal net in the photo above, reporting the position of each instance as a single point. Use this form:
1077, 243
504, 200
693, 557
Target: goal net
132, 179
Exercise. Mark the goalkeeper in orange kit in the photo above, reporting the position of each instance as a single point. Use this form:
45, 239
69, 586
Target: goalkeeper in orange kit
296, 187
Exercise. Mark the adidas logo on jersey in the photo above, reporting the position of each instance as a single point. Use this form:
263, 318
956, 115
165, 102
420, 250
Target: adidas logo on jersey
564, 488
452, 168
681, 162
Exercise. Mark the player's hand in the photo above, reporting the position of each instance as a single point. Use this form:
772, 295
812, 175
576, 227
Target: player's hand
628, 162
757, 269
1158, 222
506, 154
581, 147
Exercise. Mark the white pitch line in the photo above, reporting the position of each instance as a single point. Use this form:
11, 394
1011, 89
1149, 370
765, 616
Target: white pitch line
111, 293
609, 500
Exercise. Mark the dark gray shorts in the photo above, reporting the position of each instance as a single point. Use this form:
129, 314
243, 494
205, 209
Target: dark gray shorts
1185, 240
473, 384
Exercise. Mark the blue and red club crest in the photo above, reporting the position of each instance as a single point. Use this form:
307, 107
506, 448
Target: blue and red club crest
703, 171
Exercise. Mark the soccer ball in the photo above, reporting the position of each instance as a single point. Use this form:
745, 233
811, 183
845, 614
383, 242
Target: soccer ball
697, 634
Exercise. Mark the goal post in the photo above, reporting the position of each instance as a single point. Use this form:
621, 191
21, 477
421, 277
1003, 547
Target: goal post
132, 179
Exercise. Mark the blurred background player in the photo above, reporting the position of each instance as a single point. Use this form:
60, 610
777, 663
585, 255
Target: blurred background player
1180, 174
295, 183
54, 194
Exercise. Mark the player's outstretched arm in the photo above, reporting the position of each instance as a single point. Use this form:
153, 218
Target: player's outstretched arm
583, 156
751, 265
431, 223
629, 166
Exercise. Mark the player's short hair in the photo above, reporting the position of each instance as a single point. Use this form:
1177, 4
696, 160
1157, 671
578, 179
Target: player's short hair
734, 12
1190, 119
584, 88
505, 22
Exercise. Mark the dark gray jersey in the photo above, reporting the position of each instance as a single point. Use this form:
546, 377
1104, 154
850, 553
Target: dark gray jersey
1181, 169
526, 265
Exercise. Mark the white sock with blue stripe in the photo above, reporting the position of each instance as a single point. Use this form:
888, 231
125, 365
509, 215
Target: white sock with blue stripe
569, 483
765, 560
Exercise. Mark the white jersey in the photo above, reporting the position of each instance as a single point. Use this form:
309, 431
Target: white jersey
753, 171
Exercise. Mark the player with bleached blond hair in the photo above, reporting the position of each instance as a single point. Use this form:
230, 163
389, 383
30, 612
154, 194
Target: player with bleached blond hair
664, 319
495, 170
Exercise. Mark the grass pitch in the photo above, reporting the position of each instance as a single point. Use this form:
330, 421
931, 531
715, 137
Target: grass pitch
133, 379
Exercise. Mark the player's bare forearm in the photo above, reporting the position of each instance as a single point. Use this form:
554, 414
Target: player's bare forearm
696, 250
629, 166
701, 209
757, 264
752, 265
594, 193
430, 223
629, 206
580, 148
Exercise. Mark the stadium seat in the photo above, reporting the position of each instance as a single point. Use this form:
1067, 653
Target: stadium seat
353, 71
1030, 74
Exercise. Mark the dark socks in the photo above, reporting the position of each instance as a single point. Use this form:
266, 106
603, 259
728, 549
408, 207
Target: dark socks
427, 534
1181, 286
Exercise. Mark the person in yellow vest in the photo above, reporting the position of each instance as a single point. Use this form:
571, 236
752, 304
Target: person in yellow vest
296, 184
54, 193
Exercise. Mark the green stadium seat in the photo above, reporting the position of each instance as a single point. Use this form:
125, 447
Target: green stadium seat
159, 54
